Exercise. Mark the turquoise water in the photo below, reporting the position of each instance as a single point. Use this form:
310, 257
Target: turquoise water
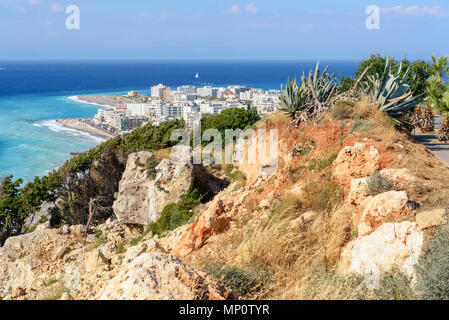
35, 93
31, 142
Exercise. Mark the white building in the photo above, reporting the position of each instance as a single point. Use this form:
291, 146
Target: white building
156, 90
138, 109
187, 89
207, 92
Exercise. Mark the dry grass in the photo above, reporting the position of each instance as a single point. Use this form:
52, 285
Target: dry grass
302, 253
286, 242
162, 154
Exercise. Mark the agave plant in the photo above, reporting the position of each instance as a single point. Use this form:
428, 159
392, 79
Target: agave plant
311, 98
392, 93
292, 98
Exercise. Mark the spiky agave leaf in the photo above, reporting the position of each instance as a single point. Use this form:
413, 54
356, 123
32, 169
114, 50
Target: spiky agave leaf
311, 97
292, 98
392, 93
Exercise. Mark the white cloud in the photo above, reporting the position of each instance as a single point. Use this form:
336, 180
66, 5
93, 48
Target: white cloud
33, 2
417, 11
57, 8
234, 10
251, 8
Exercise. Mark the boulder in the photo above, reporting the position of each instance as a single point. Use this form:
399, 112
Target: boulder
431, 218
32, 244
355, 162
357, 191
385, 207
141, 199
157, 276
95, 260
393, 246
14, 274
209, 222
399, 177
59, 253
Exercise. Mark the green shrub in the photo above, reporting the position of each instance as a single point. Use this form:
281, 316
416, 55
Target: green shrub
135, 241
362, 125
177, 214
120, 249
101, 239
394, 286
232, 118
377, 184
242, 281
433, 267
321, 164
238, 176
151, 167
342, 110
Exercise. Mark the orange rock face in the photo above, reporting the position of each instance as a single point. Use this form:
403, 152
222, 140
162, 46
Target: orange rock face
355, 162
211, 221
375, 211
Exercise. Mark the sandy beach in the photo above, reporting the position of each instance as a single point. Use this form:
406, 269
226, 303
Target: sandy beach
84, 127
111, 101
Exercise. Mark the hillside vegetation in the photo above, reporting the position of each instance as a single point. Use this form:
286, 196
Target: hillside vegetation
356, 209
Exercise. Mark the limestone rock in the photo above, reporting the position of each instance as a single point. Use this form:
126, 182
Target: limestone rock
374, 211
358, 192
59, 253
31, 244
156, 276
134, 252
432, 218
211, 221
355, 162
95, 260
392, 245
141, 199
14, 274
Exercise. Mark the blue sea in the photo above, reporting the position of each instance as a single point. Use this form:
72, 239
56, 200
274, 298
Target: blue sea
35, 93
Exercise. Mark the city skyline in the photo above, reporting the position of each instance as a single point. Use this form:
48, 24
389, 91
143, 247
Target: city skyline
221, 30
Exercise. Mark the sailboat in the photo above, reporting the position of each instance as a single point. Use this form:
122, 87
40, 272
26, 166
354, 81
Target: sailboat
197, 76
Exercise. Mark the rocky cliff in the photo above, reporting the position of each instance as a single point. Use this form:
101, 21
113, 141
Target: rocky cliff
342, 204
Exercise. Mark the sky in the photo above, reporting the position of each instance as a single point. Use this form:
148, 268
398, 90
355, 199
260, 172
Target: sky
222, 29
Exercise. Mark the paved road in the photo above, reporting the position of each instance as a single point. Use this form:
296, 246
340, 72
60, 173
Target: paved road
441, 150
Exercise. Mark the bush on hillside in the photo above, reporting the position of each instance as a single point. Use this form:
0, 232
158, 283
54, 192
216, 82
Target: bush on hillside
233, 118
242, 281
433, 267
377, 184
177, 214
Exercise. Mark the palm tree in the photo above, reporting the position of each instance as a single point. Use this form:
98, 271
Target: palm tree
434, 93
439, 66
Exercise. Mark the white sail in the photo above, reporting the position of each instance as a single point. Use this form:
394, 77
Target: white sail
197, 76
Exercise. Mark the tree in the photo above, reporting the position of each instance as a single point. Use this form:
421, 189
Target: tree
11, 220
419, 70
233, 118
439, 67
434, 93
345, 84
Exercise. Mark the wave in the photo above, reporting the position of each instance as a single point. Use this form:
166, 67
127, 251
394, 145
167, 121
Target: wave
55, 126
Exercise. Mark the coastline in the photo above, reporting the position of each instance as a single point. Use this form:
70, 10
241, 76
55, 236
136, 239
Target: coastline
78, 125
107, 101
